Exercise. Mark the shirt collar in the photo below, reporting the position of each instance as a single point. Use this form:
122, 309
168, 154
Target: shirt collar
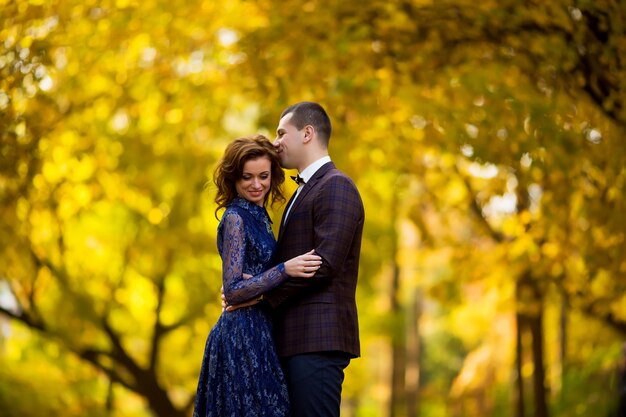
309, 171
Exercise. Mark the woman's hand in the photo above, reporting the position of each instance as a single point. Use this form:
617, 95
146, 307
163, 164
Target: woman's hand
303, 266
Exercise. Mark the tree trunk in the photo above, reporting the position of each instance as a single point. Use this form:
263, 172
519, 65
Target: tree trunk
397, 399
414, 348
539, 377
350, 406
519, 360
398, 350
158, 400
563, 341
529, 301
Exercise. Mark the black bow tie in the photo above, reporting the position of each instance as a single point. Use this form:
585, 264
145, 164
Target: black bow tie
298, 179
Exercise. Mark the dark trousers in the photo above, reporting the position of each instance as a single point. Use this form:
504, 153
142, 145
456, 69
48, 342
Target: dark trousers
314, 381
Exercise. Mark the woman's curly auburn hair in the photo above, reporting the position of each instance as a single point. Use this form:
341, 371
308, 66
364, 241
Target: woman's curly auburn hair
230, 169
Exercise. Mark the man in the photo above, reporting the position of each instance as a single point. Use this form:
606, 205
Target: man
316, 326
315, 319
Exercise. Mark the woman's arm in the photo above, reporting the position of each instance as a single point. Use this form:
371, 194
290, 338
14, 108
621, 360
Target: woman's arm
236, 288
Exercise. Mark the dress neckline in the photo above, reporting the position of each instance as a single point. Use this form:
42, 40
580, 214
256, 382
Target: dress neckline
257, 211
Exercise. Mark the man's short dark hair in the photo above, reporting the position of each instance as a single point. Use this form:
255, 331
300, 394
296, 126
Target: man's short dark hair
310, 113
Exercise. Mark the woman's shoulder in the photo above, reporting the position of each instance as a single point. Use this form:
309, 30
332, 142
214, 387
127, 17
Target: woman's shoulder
233, 214
233, 217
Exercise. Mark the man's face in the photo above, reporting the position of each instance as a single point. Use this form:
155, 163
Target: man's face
288, 142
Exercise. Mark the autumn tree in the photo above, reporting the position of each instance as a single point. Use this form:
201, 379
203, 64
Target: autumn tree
484, 136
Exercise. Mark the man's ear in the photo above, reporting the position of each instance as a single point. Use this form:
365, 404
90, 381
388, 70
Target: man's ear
309, 132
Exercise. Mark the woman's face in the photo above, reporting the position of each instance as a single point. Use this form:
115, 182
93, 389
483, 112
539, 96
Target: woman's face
255, 180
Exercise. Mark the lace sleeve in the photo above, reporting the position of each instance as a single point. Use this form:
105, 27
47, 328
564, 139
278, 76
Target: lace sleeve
236, 288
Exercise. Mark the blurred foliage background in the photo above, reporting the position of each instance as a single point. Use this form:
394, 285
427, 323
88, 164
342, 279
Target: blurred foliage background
486, 138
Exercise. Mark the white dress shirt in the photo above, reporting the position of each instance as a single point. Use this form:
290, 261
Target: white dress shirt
306, 174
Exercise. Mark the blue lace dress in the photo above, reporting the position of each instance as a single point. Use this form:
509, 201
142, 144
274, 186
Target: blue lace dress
241, 374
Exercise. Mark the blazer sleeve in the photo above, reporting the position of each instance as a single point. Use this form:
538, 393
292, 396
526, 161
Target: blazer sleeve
338, 215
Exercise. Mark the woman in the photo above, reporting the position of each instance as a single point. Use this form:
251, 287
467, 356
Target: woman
241, 374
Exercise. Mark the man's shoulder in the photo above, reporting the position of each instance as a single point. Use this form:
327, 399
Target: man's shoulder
330, 170
338, 186
339, 177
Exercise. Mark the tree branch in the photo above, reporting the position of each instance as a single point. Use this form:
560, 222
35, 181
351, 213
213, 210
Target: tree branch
606, 318
120, 355
91, 356
24, 318
583, 39
159, 330
477, 211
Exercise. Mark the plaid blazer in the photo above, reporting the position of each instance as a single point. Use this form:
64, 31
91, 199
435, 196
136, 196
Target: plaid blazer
319, 314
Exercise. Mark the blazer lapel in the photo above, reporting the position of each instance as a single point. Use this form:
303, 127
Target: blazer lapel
282, 219
305, 190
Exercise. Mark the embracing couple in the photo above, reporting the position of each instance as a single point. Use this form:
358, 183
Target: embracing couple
290, 327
